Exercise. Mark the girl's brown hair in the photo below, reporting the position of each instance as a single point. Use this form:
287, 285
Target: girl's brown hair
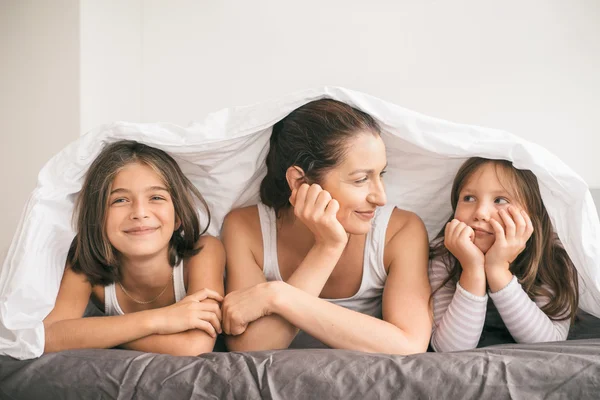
91, 252
544, 267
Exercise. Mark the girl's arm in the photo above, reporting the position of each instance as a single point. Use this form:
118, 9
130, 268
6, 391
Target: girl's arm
406, 324
205, 270
526, 322
65, 328
524, 319
243, 272
458, 315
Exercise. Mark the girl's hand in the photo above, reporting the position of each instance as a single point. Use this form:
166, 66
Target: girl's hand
458, 239
242, 307
511, 240
192, 312
318, 211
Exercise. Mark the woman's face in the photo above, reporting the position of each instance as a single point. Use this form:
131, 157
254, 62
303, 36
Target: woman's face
357, 182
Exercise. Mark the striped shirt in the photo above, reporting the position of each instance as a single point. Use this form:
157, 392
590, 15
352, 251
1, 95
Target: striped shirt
459, 316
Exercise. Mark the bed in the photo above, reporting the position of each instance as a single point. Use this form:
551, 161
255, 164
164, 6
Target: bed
569, 369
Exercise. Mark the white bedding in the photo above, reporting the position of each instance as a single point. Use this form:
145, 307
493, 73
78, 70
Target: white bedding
224, 157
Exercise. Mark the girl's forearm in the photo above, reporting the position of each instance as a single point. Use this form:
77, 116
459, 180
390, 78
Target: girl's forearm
98, 332
189, 343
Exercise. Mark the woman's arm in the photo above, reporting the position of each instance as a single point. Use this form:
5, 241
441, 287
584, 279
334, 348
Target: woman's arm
243, 272
205, 270
406, 326
65, 328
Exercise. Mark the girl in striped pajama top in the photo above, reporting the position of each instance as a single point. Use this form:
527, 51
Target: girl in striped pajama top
499, 240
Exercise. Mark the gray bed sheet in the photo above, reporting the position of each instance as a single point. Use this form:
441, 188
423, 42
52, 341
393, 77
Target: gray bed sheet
569, 369
565, 370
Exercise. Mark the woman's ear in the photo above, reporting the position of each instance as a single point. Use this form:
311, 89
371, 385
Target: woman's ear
295, 177
177, 223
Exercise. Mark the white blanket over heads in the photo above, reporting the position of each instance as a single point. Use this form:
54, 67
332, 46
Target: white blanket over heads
224, 157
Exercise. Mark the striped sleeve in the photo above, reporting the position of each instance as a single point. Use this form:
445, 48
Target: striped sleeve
524, 319
458, 314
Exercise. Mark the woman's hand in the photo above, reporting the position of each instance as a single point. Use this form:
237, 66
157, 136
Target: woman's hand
510, 241
458, 239
318, 211
195, 311
241, 307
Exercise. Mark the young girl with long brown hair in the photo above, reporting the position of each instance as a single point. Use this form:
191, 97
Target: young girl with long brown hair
498, 263
139, 255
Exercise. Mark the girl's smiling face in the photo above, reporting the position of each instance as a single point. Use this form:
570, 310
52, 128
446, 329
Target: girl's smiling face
141, 217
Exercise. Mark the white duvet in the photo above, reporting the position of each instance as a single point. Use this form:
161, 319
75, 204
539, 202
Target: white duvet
224, 157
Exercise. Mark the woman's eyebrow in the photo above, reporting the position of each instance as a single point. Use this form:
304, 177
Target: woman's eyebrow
367, 171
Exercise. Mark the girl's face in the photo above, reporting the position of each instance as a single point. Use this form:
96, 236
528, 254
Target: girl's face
357, 184
141, 216
483, 195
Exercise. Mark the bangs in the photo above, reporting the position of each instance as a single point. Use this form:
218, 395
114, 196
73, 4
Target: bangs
508, 176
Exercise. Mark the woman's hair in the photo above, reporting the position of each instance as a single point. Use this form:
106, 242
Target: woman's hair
543, 268
313, 137
91, 253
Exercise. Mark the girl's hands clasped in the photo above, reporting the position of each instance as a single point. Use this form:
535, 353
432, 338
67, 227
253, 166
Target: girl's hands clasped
318, 211
195, 311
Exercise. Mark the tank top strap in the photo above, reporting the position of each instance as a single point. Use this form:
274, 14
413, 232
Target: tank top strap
268, 227
376, 243
179, 282
111, 304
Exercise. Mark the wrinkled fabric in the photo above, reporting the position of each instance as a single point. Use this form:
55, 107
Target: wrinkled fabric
224, 157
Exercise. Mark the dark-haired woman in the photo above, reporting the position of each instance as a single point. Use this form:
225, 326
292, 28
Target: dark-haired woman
322, 259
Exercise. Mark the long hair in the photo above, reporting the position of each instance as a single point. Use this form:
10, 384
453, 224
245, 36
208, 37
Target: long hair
312, 137
91, 253
543, 268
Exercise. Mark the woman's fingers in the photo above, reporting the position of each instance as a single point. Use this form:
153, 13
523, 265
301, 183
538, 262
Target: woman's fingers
212, 318
322, 201
205, 326
300, 198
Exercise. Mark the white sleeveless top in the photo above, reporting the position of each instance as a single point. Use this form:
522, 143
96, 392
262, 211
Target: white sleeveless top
111, 304
368, 298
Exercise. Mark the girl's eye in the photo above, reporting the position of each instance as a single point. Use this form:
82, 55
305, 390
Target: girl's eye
363, 180
157, 198
501, 200
468, 198
382, 173
120, 200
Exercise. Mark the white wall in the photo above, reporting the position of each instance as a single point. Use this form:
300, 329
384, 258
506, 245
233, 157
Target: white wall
39, 96
527, 67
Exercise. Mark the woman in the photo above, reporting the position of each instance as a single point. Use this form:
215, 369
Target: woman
322, 255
